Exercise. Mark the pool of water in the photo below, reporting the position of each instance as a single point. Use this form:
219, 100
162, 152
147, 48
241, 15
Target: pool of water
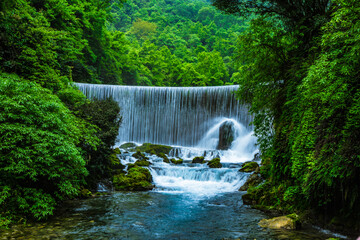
156, 215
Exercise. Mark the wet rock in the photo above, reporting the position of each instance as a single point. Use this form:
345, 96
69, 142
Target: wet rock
226, 135
215, 163
283, 222
249, 167
174, 161
154, 148
164, 157
137, 179
253, 180
128, 145
248, 199
142, 163
140, 156
198, 160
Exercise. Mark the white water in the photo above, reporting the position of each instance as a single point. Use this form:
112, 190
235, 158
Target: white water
188, 118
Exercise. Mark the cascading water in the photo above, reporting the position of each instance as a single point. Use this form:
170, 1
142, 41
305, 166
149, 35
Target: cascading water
189, 119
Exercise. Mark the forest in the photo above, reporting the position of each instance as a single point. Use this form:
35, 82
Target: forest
296, 64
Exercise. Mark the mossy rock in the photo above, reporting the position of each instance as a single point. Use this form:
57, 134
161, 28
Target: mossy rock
282, 222
215, 163
84, 193
198, 160
249, 167
130, 166
116, 151
252, 181
115, 162
174, 161
248, 199
137, 179
140, 156
154, 148
164, 157
142, 163
128, 145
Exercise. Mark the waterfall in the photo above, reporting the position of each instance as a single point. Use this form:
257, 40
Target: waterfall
179, 116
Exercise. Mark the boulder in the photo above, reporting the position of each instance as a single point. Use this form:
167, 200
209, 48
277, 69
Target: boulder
215, 163
140, 156
249, 167
198, 160
174, 161
253, 180
164, 157
226, 135
248, 199
128, 145
137, 179
154, 148
289, 222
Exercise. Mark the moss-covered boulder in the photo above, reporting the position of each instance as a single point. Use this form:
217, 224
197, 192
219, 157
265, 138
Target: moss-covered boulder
142, 163
137, 179
283, 222
153, 148
198, 160
174, 161
249, 167
128, 145
215, 163
164, 157
116, 151
253, 180
140, 156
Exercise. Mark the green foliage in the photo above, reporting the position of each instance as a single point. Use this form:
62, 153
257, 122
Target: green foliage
302, 81
40, 161
177, 43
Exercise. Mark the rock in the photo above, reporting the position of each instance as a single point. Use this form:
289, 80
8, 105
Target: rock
137, 179
226, 135
116, 151
248, 199
249, 167
142, 163
215, 163
283, 222
154, 148
164, 157
174, 161
128, 145
140, 156
198, 160
253, 180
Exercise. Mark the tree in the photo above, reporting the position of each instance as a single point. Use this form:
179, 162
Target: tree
40, 159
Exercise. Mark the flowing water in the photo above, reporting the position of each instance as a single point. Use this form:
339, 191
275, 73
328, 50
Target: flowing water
189, 201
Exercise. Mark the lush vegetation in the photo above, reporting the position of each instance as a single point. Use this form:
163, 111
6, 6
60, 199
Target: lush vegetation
54, 142
296, 64
298, 67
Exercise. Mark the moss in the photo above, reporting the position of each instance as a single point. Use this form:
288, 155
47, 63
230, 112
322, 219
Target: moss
153, 148
128, 145
142, 163
215, 163
137, 179
84, 193
116, 151
249, 167
140, 156
198, 160
179, 161
164, 157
